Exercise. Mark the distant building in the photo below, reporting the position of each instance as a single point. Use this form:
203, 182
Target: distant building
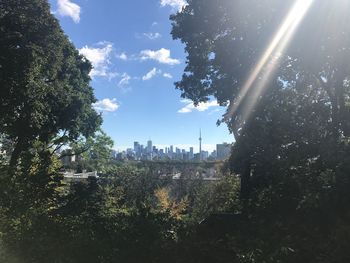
191, 155
204, 155
136, 146
161, 153
196, 157
171, 151
223, 151
137, 149
213, 155
130, 154
149, 146
200, 146
114, 154
76, 177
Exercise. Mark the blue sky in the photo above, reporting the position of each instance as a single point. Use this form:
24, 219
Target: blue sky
136, 63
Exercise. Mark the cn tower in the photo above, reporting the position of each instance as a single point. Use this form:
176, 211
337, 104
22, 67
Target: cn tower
200, 145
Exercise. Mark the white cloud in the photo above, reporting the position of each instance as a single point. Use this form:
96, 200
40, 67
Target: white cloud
123, 56
202, 106
125, 80
162, 56
167, 75
152, 36
68, 8
100, 59
112, 75
175, 4
151, 74
109, 105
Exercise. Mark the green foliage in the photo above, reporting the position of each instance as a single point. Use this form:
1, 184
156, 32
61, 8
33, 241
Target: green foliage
45, 101
289, 199
28, 196
95, 152
131, 215
44, 81
291, 149
103, 221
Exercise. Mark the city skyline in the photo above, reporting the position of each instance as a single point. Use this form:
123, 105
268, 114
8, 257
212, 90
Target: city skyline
197, 147
206, 147
149, 151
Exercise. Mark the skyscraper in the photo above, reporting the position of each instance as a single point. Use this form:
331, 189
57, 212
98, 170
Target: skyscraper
149, 146
191, 153
137, 148
171, 152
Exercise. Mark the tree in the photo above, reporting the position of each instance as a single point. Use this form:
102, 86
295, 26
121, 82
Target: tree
309, 84
95, 151
44, 81
45, 101
291, 126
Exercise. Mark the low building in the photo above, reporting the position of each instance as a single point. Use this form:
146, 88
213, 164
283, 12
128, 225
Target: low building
76, 177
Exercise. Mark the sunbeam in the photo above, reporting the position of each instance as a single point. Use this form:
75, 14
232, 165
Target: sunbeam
266, 65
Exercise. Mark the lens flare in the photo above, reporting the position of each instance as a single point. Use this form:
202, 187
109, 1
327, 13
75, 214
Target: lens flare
266, 65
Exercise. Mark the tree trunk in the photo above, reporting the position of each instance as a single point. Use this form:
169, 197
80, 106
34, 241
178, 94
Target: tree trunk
245, 182
18, 149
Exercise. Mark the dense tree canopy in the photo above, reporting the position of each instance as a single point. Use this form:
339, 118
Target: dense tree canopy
291, 121
44, 81
305, 99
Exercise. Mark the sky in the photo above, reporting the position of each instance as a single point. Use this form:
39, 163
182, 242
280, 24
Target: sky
135, 64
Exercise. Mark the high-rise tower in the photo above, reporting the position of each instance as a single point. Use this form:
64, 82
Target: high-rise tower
200, 144
149, 146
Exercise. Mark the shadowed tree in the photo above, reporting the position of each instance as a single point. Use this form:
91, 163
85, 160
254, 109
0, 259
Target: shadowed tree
304, 100
290, 120
45, 89
45, 101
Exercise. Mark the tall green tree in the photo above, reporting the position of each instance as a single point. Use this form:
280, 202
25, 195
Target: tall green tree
44, 81
45, 101
292, 146
304, 107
